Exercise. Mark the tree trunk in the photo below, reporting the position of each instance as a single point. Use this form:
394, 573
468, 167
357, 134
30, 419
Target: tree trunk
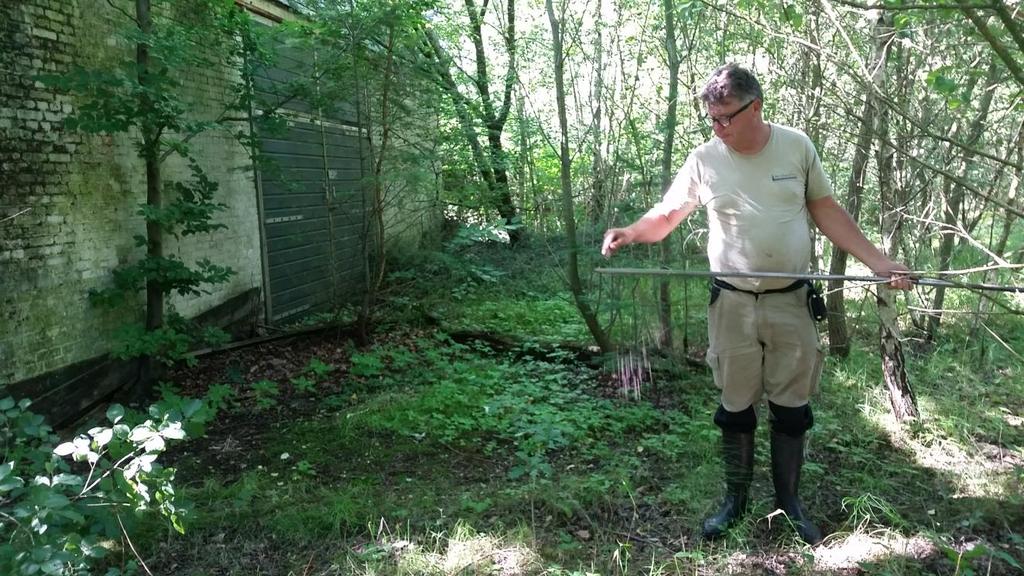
668, 140
954, 198
597, 201
374, 245
901, 395
443, 63
494, 119
990, 36
150, 368
568, 210
838, 335
492, 166
1014, 149
812, 106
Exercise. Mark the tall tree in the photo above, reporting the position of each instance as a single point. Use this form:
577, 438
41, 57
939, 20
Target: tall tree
151, 127
565, 180
891, 205
838, 337
492, 114
953, 196
597, 202
668, 141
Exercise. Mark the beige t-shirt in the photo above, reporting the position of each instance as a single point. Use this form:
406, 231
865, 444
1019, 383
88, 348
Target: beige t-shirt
757, 204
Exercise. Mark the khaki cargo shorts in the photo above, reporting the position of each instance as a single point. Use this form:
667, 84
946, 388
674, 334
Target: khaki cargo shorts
765, 345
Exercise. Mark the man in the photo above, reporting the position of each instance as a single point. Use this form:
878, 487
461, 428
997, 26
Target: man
758, 181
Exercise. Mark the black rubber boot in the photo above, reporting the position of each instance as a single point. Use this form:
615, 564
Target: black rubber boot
738, 456
787, 460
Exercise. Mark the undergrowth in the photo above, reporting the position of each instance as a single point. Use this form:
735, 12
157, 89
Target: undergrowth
431, 454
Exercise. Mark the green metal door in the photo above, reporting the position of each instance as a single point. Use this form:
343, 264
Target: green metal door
314, 206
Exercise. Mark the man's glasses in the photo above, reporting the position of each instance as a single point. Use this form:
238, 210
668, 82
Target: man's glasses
726, 119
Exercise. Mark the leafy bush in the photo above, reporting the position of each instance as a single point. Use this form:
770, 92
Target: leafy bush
319, 369
265, 392
303, 384
63, 505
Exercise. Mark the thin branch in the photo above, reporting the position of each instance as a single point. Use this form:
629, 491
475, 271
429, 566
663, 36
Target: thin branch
13, 216
1001, 341
1012, 26
122, 11
1011, 64
132, 546
87, 487
958, 230
831, 12
954, 311
963, 271
866, 82
904, 7
510, 75
998, 202
948, 140
998, 303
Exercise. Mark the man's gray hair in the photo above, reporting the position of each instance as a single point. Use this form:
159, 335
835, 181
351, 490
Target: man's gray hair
731, 81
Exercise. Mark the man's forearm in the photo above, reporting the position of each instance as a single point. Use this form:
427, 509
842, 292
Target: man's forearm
835, 222
656, 224
847, 236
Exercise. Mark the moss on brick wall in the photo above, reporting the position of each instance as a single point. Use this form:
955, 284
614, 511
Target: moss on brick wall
81, 192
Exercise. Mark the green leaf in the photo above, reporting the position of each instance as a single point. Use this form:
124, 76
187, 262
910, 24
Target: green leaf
792, 15
6, 469
56, 500
91, 548
191, 407
941, 83
7, 403
976, 552
72, 515
114, 413
1007, 558
67, 480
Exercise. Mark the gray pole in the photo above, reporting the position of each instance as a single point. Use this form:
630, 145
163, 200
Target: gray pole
806, 276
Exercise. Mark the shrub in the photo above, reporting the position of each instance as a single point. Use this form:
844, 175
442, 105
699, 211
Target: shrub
63, 506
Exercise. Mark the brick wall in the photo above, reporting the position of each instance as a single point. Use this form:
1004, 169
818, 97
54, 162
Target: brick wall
81, 192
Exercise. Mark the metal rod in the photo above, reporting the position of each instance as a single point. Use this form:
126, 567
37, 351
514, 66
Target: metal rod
921, 281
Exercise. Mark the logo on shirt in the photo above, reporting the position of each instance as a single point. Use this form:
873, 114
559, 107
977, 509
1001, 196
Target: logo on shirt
781, 177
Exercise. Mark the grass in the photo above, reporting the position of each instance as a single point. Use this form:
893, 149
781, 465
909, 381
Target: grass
426, 455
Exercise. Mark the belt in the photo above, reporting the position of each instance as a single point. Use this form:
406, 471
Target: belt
790, 288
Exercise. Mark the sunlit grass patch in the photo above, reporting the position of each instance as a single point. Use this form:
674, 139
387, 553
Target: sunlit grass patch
889, 552
460, 550
972, 471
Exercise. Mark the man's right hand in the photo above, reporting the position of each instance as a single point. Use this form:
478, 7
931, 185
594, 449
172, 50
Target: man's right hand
614, 239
